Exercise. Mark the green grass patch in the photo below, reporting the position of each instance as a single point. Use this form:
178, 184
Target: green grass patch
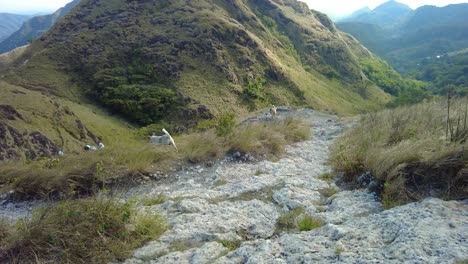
94, 230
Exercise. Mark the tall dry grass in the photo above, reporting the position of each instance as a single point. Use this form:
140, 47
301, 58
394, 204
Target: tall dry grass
410, 150
90, 171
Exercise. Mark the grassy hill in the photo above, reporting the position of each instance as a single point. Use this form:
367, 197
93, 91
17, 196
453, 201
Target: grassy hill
173, 64
202, 54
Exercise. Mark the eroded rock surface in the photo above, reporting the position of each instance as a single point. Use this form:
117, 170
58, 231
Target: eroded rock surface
238, 201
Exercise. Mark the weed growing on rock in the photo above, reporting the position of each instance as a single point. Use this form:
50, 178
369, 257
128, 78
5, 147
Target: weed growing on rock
339, 250
287, 220
231, 245
306, 222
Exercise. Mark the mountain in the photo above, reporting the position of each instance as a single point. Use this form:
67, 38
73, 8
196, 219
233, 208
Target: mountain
10, 23
386, 15
427, 34
177, 63
33, 28
359, 12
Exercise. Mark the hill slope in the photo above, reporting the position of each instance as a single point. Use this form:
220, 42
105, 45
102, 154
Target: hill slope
32, 28
9, 23
172, 62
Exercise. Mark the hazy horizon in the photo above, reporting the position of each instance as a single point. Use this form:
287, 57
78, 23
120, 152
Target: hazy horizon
333, 8
337, 8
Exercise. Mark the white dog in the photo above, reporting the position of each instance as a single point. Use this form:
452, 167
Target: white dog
163, 140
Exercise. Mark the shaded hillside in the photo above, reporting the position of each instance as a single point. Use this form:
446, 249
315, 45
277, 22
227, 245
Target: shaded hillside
32, 28
9, 23
427, 34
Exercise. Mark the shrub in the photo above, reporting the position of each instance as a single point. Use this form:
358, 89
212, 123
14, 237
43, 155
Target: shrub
225, 124
82, 231
254, 88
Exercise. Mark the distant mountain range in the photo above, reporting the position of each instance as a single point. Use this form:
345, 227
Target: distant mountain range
31, 28
409, 39
387, 15
10, 23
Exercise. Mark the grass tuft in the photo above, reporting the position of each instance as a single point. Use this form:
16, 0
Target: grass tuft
307, 222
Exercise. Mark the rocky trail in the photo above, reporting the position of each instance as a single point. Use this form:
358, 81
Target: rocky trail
228, 213
241, 202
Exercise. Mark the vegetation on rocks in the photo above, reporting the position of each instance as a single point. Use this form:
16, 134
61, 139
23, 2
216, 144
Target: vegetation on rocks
414, 151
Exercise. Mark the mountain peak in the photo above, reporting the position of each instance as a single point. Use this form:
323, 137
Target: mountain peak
392, 5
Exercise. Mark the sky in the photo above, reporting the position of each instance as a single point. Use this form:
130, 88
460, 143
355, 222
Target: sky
31, 7
334, 8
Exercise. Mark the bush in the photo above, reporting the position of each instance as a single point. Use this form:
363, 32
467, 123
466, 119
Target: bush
254, 88
82, 231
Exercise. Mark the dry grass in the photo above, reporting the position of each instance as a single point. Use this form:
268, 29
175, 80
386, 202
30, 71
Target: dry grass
410, 150
268, 139
83, 231
132, 157
201, 146
84, 173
